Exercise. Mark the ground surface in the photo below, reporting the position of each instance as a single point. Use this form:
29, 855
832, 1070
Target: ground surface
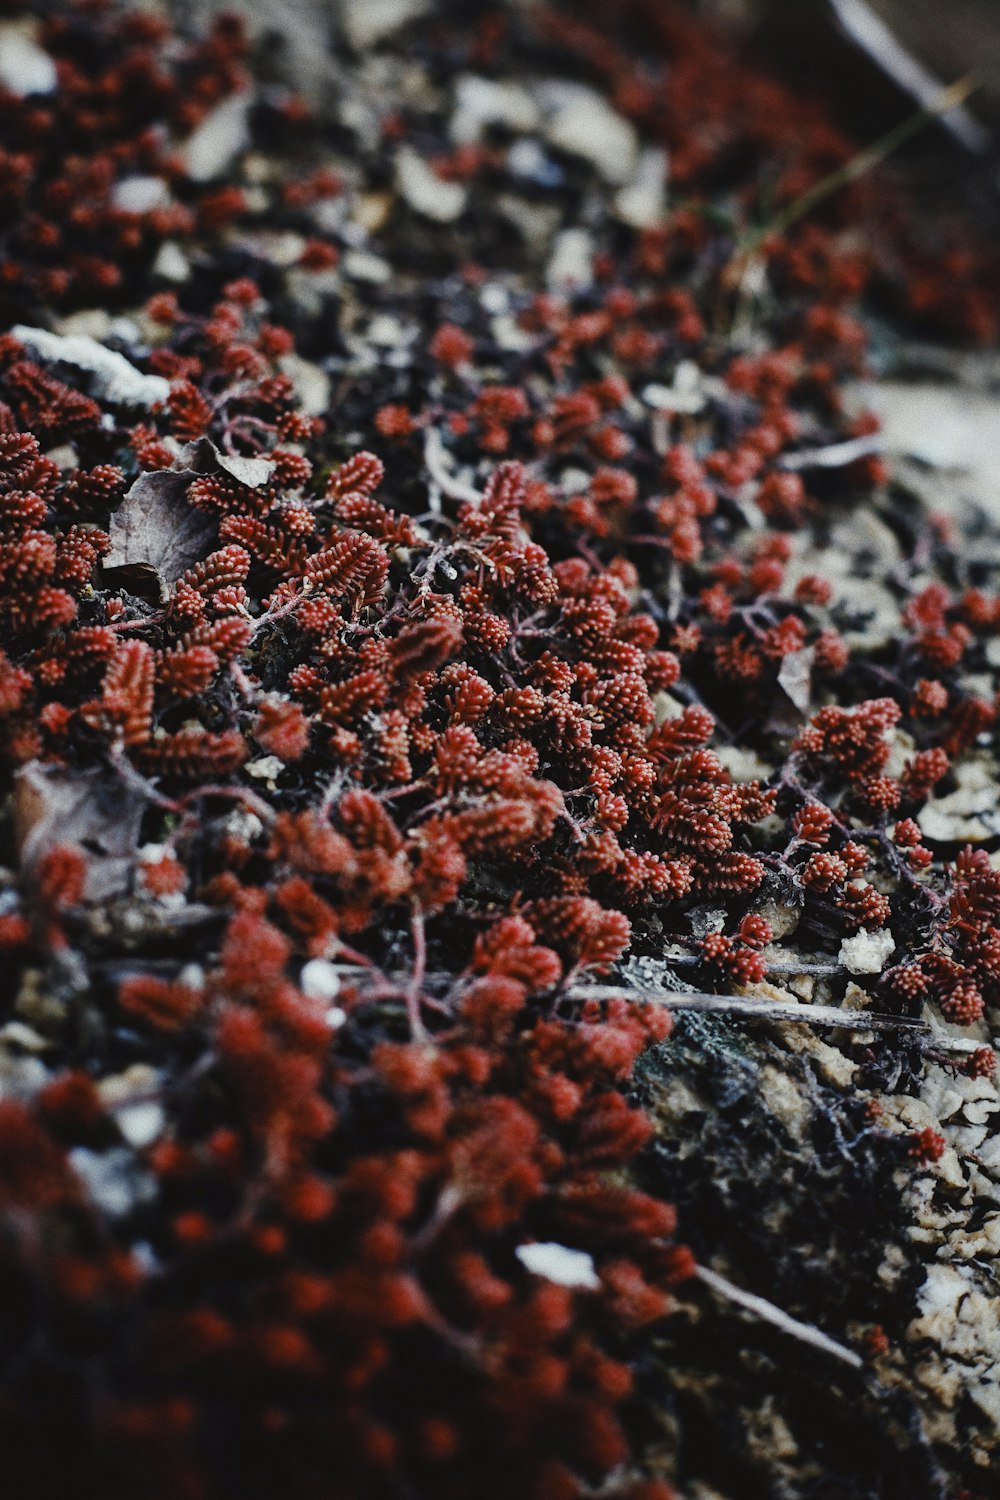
361, 821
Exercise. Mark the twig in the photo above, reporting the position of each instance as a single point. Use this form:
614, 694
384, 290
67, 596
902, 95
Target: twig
775, 1010
868, 31
835, 455
768, 1313
948, 99
418, 931
434, 458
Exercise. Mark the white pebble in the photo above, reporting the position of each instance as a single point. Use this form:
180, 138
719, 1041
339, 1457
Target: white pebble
24, 68
426, 192
560, 1264
319, 980
866, 952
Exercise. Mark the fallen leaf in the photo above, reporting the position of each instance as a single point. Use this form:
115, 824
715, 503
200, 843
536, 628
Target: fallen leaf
156, 535
795, 677
91, 809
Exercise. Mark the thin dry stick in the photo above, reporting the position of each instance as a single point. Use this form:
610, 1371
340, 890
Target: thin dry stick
947, 100
776, 1010
834, 455
768, 1313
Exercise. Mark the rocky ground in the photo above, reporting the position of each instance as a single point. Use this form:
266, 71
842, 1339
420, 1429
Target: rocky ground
699, 702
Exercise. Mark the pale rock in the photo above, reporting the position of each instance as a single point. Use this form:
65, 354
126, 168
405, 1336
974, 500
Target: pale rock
580, 122
867, 952
312, 384
90, 322
141, 1123
426, 192
509, 334
642, 202
572, 1268
114, 1182
527, 159
968, 813
367, 22
25, 68
114, 378
222, 135
279, 247
140, 195
244, 825
743, 765
361, 265
481, 102
685, 395
265, 767
572, 260
171, 263
319, 980
387, 332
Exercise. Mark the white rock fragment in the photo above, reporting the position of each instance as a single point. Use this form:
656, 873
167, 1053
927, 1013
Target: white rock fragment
582, 123
312, 384
115, 1183
244, 825
867, 952
387, 332
527, 159
265, 767
171, 263
140, 195
970, 812
481, 102
369, 21
686, 395
572, 261
558, 1263
361, 265
141, 1123
641, 203
319, 980
24, 67
219, 139
509, 334
426, 192
114, 378
743, 765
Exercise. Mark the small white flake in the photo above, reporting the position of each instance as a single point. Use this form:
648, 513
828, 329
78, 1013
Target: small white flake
560, 1264
483, 101
115, 1184
141, 1123
140, 195
171, 263
426, 192
265, 767
641, 202
24, 68
244, 825
219, 139
370, 21
866, 952
319, 980
582, 123
116, 380
572, 262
